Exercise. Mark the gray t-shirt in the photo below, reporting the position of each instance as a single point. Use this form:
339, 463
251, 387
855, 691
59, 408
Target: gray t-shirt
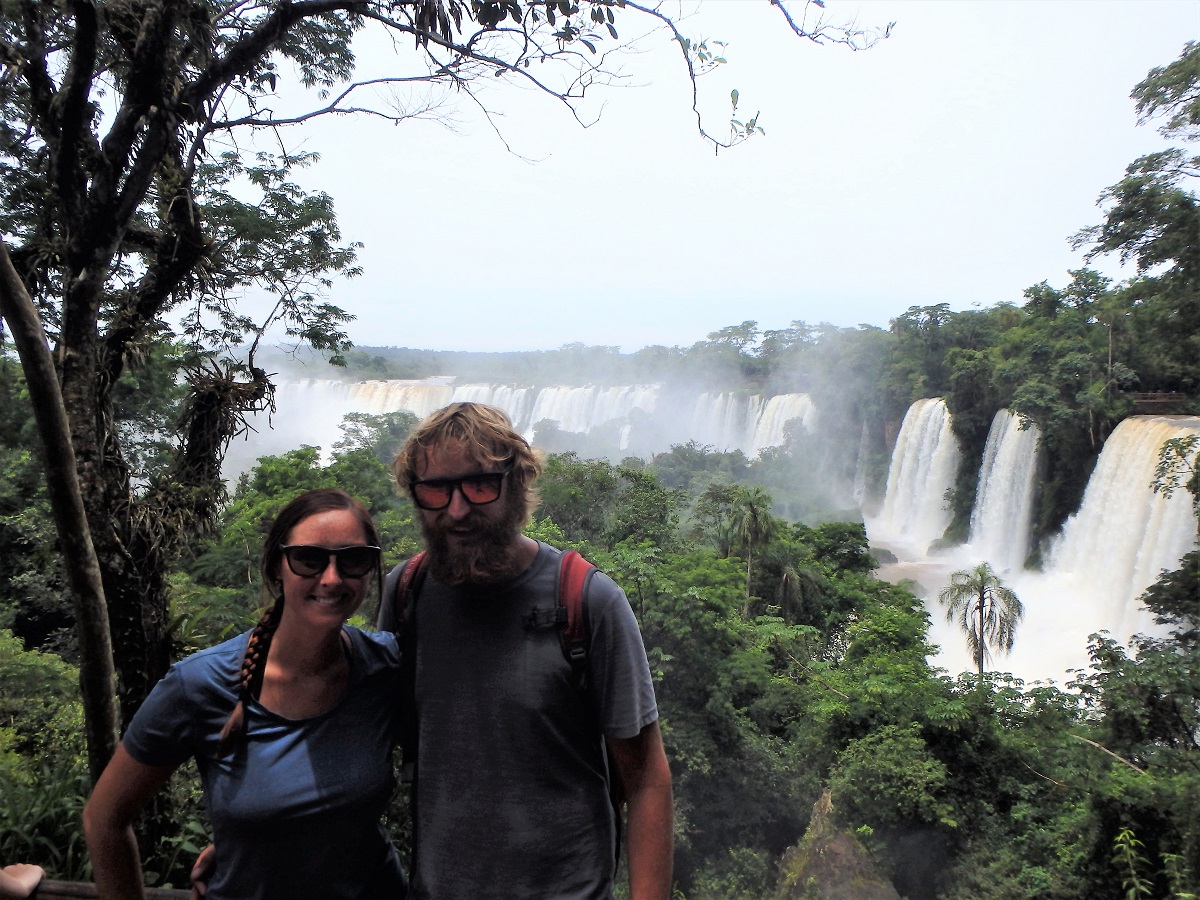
511, 792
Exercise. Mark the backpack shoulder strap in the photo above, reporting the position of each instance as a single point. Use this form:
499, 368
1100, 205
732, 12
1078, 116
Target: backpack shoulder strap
399, 586
407, 584
574, 573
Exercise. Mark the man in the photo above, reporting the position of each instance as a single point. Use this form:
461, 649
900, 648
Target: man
510, 784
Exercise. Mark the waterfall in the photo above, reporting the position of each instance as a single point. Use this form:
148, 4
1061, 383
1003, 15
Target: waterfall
1125, 534
516, 401
750, 423
860, 466
776, 414
1106, 555
579, 409
1003, 512
378, 397
310, 411
721, 420
923, 468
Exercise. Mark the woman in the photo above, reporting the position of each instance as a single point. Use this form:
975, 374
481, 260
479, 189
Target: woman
291, 727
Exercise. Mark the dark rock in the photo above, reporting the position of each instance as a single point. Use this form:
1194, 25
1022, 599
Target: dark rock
830, 864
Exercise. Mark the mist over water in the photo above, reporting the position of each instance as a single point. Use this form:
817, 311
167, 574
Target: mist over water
1106, 555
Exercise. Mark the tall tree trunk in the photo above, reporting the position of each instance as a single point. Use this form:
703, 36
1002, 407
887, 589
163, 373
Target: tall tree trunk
982, 647
97, 678
749, 565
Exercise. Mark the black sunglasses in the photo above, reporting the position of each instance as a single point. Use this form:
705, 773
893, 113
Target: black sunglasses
436, 493
309, 560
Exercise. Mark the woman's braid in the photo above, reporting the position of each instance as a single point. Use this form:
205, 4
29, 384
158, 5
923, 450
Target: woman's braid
250, 683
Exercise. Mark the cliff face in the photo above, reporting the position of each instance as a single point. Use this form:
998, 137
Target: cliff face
830, 864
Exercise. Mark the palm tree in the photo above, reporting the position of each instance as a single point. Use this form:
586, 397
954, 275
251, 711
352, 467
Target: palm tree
715, 517
755, 526
799, 594
987, 611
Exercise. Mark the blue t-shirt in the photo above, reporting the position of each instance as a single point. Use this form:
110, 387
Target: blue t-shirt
296, 808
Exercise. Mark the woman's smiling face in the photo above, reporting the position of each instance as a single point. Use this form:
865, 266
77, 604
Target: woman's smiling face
327, 598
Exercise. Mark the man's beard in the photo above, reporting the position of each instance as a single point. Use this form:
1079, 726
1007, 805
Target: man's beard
488, 555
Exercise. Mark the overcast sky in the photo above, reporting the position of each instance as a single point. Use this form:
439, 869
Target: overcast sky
951, 163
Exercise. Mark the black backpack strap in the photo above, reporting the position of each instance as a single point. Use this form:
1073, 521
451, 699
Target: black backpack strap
401, 593
398, 613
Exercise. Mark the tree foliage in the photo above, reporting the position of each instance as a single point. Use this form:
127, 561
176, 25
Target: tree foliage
135, 214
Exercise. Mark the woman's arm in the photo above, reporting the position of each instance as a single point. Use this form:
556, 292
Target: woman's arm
124, 788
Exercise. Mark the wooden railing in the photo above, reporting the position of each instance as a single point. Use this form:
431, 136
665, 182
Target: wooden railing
1159, 403
50, 889
1156, 397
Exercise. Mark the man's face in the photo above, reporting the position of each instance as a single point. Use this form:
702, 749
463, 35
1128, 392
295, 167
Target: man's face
469, 543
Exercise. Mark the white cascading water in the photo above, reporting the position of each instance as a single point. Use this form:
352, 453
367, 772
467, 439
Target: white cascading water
750, 423
1118, 543
859, 488
579, 409
1107, 554
720, 420
516, 401
1002, 517
310, 411
774, 417
1124, 534
924, 464
378, 397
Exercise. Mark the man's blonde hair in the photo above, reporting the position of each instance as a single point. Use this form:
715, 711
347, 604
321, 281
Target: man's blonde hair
486, 435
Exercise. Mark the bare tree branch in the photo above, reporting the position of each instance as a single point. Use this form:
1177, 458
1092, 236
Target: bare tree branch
848, 35
1104, 749
333, 107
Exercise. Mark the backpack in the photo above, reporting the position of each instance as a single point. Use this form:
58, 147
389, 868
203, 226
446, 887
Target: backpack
569, 614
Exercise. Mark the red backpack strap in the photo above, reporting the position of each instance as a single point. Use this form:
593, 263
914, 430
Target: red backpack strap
409, 581
400, 585
573, 574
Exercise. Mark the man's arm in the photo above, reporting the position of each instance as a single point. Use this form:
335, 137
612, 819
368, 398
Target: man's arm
641, 763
